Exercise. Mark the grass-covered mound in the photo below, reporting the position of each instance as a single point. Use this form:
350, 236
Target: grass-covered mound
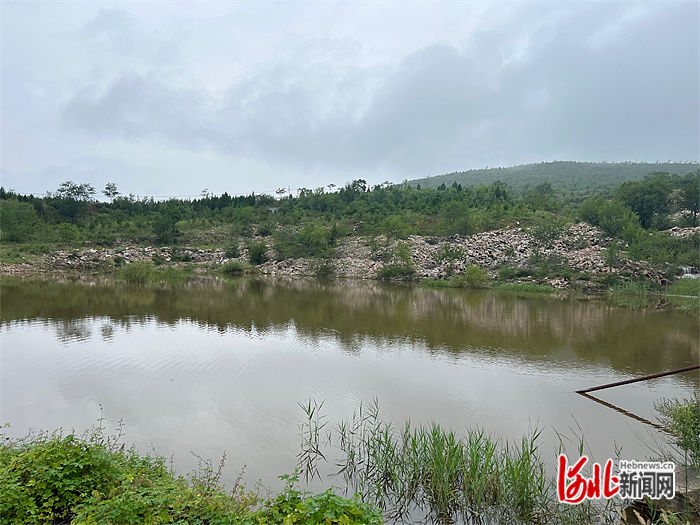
64, 478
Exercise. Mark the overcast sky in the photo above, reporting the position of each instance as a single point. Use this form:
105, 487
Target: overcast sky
166, 98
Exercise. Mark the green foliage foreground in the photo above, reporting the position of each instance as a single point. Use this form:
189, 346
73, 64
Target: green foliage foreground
682, 418
57, 478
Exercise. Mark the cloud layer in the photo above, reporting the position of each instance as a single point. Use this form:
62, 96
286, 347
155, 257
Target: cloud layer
251, 97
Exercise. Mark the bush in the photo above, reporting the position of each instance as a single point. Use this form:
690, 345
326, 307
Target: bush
473, 277
172, 275
265, 228
18, 220
611, 216
397, 271
56, 478
311, 241
612, 254
324, 269
178, 256
682, 419
140, 272
546, 229
395, 227
232, 251
508, 273
232, 267
165, 228
257, 252
457, 219
68, 233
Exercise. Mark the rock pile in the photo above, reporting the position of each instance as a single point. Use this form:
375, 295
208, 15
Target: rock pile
581, 248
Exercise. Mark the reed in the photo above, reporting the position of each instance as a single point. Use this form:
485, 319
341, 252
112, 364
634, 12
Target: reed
435, 473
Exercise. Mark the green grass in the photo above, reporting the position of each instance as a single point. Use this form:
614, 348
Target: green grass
685, 287
65, 478
525, 288
24, 252
142, 273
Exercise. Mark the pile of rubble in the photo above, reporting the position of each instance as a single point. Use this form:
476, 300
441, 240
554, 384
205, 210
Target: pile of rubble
581, 248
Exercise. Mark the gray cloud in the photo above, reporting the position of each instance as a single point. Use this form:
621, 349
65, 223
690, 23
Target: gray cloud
569, 81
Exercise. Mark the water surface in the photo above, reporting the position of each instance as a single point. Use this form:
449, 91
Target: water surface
222, 366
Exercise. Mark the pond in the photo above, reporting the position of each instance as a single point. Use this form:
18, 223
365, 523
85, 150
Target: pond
222, 366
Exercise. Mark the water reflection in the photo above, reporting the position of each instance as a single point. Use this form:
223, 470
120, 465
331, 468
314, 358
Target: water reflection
446, 322
222, 365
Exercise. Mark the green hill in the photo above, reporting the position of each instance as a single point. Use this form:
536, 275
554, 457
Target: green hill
562, 175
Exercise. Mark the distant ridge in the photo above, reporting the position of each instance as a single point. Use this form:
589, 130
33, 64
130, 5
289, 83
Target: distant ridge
563, 175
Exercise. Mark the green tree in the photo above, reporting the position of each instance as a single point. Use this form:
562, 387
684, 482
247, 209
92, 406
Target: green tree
546, 229
110, 191
79, 192
18, 220
165, 228
647, 198
457, 219
689, 195
614, 218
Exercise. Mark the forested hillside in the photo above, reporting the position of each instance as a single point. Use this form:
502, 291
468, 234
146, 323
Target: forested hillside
567, 176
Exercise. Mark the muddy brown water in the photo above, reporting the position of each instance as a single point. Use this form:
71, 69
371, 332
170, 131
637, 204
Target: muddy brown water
221, 366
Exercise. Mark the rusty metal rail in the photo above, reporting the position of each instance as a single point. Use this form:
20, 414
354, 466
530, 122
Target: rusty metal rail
637, 379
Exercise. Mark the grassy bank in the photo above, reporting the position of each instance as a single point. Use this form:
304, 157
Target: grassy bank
683, 294
64, 478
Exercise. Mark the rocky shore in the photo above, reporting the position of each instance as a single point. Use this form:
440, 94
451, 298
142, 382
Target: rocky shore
581, 248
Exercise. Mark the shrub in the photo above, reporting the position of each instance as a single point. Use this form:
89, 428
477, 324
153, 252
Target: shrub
68, 233
172, 275
18, 220
232, 251
448, 253
140, 272
265, 228
473, 277
397, 271
56, 478
395, 227
546, 229
311, 241
257, 252
324, 269
293, 506
507, 273
232, 267
178, 256
457, 219
682, 419
612, 254
165, 228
